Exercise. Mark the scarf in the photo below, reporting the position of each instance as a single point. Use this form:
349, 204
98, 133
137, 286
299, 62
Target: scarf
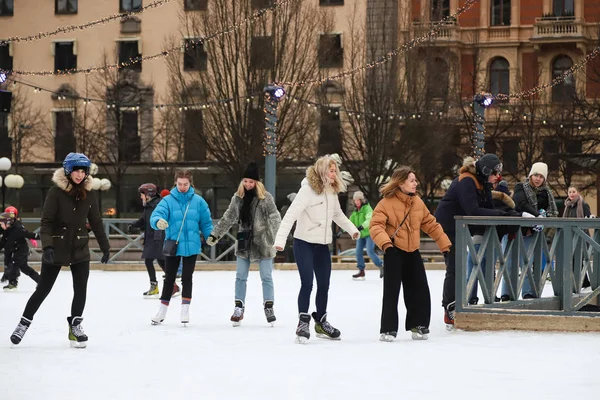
578, 202
246, 212
531, 194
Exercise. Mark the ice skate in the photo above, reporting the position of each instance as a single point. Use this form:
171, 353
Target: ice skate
77, 337
185, 314
161, 314
153, 292
303, 329
359, 276
269, 313
420, 333
449, 316
388, 336
3, 278
20, 331
324, 329
238, 313
11, 287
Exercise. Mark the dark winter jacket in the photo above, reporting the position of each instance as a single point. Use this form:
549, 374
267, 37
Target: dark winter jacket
538, 199
266, 220
579, 206
466, 196
14, 243
153, 238
64, 220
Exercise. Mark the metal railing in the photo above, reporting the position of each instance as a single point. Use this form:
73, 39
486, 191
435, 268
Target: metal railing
562, 252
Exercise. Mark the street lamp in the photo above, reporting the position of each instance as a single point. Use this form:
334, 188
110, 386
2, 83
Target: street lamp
8, 181
101, 185
273, 94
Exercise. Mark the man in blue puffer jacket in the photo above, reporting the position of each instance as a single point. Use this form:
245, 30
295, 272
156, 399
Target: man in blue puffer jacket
184, 215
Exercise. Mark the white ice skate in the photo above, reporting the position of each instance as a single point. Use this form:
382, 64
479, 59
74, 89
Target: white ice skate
160, 316
185, 314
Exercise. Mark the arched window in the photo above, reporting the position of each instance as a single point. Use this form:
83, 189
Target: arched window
500, 13
438, 79
564, 91
499, 76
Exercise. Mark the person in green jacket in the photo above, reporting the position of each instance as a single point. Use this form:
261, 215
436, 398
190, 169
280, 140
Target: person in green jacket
361, 218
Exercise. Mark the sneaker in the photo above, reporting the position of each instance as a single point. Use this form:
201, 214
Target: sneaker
359, 276
504, 298
11, 287
381, 272
473, 301
176, 291
161, 314
77, 337
153, 292
449, 316
269, 313
420, 333
324, 329
20, 330
388, 336
238, 313
303, 329
185, 313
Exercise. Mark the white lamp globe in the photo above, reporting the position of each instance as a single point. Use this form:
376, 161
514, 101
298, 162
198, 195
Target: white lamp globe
5, 164
96, 183
93, 169
105, 184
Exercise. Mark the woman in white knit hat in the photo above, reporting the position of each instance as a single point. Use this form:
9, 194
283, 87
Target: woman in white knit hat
535, 197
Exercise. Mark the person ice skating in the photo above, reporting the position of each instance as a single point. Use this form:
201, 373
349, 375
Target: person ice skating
254, 211
315, 207
361, 218
16, 250
153, 239
184, 215
396, 224
10, 209
65, 241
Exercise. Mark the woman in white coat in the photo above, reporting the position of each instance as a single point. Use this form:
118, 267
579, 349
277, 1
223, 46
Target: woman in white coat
316, 205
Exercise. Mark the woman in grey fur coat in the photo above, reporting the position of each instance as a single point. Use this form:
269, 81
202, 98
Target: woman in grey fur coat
253, 209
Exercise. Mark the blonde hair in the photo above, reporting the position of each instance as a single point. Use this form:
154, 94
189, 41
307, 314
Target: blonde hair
399, 176
321, 167
258, 186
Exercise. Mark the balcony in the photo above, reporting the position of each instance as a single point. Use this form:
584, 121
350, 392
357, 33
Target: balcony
562, 30
447, 31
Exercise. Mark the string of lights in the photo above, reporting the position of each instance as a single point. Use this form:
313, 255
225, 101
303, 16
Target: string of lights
73, 28
135, 60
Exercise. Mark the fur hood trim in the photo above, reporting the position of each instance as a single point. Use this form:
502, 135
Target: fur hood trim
468, 166
61, 181
316, 183
503, 197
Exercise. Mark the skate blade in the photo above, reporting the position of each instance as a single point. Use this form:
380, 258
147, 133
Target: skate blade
301, 339
272, 324
449, 327
322, 336
235, 324
78, 345
185, 323
416, 336
10, 290
155, 322
358, 279
151, 296
387, 338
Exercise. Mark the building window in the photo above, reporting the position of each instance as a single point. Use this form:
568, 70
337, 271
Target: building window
194, 148
563, 8
65, 7
65, 57
573, 146
500, 13
262, 54
194, 56
64, 135
129, 138
438, 79
6, 60
510, 156
195, 5
331, 2
331, 53
440, 9
258, 4
499, 76
130, 5
564, 91
129, 50
550, 153
330, 133
6, 8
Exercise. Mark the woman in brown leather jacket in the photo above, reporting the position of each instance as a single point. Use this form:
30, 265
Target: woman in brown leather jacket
395, 228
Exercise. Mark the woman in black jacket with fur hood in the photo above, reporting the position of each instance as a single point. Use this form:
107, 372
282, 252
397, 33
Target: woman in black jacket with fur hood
68, 206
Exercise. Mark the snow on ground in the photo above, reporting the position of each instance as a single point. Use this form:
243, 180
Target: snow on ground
127, 358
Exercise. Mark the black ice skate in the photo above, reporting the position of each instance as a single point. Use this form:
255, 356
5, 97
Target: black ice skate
324, 329
77, 337
303, 329
449, 316
420, 333
20, 331
269, 313
238, 313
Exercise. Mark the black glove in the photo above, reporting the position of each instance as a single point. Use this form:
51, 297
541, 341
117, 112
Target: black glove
48, 256
360, 228
105, 257
512, 213
129, 228
386, 251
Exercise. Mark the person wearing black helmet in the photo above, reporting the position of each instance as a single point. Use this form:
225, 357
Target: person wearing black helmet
153, 239
68, 206
16, 249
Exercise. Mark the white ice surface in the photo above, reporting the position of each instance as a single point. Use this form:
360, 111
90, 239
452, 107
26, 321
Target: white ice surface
127, 358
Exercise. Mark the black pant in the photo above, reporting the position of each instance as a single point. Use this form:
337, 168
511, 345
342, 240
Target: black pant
80, 273
449, 294
13, 272
150, 267
405, 269
171, 267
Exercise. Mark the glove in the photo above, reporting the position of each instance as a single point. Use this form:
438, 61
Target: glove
211, 241
387, 250
48, 256
105, 257
33, 242
129, 228
538, 228
527, 215
162, 224
360, 228
512, 213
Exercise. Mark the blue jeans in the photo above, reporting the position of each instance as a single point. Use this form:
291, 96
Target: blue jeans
528, 241
265, 267
360, 258
313, 258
